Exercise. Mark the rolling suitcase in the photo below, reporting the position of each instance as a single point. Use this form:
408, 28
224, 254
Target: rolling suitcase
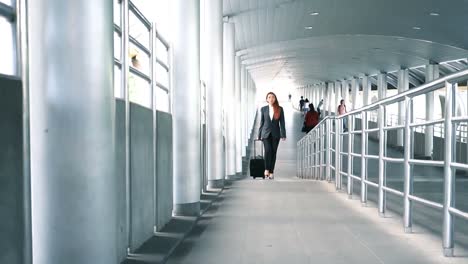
257, 163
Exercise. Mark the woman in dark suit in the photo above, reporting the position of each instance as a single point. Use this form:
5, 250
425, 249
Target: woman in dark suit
271, 130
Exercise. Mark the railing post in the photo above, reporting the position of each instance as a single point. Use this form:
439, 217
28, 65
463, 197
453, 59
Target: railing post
301, 163
408, 182
327, 149
363, 157
382, 143
308, 151
350, 158
316, 154
449, 181
322, 149
338, 126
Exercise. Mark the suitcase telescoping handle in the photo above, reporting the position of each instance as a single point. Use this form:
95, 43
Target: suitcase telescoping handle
255, 147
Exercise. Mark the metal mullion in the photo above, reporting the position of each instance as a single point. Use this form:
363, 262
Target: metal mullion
408, 177
160, 62
338, 128
162, 87
139, 45
427, 123
370, 130
363, 158
7, 12
140, 74
393, 127
350, 157
170, 74
435, 163
459, 119
117, 62
382, 199
354, 177
459, 166
373, 184
393, 160
124, 84
390, 190
22, 52
139, 15
117, 29
458, 212
154, 127
425, 202
449, 171
328, 149
162, 39
373, 157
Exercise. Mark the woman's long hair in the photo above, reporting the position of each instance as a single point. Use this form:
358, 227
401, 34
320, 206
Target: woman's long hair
276, 107
311, 108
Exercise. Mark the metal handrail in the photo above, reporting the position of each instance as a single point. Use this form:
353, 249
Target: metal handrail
319, 156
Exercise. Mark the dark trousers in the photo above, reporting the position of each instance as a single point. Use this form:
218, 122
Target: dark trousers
271, 146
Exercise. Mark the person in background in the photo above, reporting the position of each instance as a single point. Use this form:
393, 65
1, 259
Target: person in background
341, 111
301, 103
272, 129
289, 96
305, 109
311, 119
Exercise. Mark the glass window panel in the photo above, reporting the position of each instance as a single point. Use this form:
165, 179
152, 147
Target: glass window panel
138, 30
7, 48
7, 2
161, 52
139, 59
162, 76
139, 91
162, 100
117, 12
118, 92
117, 45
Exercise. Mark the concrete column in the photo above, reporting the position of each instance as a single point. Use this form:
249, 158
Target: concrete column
214, 96
74, 199
354, 92
382, 85
229, 105
186, 134
330, 88
238, 111
403, 85
366, 89
244, 111
338, 96
432, 73
345, 92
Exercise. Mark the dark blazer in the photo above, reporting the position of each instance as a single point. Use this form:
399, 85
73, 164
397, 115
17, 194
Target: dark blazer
274, 127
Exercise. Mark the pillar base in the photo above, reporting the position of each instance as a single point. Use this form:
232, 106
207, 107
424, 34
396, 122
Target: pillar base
448, 252
239, 175
187, 209
408, 230
382, 214
231, 177
216, 184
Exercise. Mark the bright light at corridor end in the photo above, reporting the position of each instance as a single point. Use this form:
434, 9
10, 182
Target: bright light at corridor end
281, 87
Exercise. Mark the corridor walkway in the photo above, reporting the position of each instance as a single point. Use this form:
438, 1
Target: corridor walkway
291, 221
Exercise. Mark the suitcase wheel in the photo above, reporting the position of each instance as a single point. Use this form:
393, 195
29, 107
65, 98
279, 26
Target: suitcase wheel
263, 177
